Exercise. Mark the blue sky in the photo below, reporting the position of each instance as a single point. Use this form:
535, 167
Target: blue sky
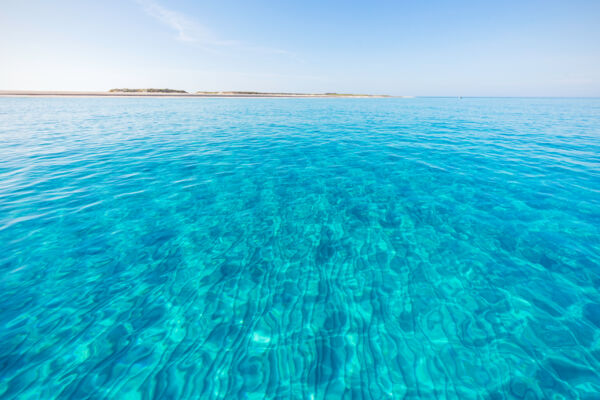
423, 48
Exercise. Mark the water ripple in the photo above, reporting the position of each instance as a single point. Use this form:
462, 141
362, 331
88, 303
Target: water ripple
292, 248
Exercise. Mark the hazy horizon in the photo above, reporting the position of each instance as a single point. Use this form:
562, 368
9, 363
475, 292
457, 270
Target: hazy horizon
537, 49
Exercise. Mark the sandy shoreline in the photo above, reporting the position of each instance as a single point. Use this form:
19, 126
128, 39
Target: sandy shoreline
42, 93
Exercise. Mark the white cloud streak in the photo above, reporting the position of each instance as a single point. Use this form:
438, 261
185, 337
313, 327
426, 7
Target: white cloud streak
186, 28
189, 30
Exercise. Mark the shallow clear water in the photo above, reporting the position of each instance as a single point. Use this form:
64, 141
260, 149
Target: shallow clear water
299, 248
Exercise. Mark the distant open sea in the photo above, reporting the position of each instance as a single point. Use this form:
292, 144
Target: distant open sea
433, 248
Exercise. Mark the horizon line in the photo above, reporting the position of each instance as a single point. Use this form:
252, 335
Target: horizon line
247, 93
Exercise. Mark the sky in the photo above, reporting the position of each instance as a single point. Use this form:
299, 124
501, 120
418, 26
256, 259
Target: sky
399, 47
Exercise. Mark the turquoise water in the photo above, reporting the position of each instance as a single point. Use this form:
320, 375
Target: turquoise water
299, 248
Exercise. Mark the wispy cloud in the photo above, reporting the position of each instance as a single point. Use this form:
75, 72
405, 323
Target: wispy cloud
189, 30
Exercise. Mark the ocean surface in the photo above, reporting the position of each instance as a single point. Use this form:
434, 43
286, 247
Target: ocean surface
299, 248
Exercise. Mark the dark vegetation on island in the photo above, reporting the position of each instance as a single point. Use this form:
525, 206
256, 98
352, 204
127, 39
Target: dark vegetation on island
151, 90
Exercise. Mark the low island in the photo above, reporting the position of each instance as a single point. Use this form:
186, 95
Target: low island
153, 92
